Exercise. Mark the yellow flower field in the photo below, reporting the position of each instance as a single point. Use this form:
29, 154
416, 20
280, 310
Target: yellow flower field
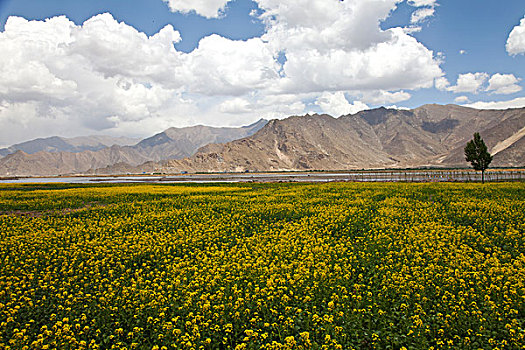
262, 266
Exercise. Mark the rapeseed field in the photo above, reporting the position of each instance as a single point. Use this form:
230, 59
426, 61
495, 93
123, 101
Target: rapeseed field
262, 266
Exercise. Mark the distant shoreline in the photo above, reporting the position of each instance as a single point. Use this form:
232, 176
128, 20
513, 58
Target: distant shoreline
368, 175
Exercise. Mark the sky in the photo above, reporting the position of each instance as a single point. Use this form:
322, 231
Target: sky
137, 67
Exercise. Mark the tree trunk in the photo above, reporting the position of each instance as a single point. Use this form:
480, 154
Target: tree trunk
482, 176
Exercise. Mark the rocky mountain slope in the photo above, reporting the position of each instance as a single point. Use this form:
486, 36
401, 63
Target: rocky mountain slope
175, 143
172, 143
431, 135
64, 144
60, 163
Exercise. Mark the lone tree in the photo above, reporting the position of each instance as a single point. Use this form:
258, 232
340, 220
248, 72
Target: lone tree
476, 153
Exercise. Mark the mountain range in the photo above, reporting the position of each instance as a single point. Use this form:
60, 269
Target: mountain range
44, 157
63, 144
431, 135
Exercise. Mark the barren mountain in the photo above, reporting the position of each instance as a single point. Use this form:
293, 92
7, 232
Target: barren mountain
170, 144
59, 163
431, 135
502, 131
176, 143
63, 144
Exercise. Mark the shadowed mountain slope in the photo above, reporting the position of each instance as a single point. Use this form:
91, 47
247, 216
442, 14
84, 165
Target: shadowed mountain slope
169, 144
64, 144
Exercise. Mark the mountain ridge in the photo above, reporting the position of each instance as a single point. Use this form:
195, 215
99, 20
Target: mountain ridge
77, 144
428, 136
171, 143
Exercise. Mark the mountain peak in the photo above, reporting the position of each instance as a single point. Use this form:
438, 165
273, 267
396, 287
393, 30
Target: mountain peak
431, 135
261, 122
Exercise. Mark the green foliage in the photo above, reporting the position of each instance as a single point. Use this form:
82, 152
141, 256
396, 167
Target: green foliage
476, 153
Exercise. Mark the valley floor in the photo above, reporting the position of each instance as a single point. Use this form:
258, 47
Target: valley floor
385, 175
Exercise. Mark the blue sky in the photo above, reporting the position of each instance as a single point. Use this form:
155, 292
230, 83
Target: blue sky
480, 28
145, 15
220, 62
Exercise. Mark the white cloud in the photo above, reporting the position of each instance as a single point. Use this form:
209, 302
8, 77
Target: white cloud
426, 9
461, 99
400, 108
515, 103
117, 49
516, 40
268, 107
420, 3
25, 73
469, 82
107, 76
422, 14
220, 66
441, 83
381, 97
334, 45
235, 106
206, 8
400, 63
416, 29
504, 84
336, 104
72, 79
474, 82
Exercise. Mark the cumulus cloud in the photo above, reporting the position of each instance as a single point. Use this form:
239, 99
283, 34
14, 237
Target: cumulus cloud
421, 14
336, 104
419, 3
345, 49
503, 84
104, 75
461, 99
400, 108
515, 103
73, 79
117, 49
205, 8
235, 106
469, 82
441, 83
426, 9
267, 107
220, 66
339, 45
475, 82
516, 40
381, 97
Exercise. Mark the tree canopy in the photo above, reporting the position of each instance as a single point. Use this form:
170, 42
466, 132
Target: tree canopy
477, 154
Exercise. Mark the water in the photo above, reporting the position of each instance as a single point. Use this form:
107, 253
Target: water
357, 176
77, 179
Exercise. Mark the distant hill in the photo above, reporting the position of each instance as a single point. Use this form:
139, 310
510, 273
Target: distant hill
64, 144
58, 156
176, 143
431, 135
60, 163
